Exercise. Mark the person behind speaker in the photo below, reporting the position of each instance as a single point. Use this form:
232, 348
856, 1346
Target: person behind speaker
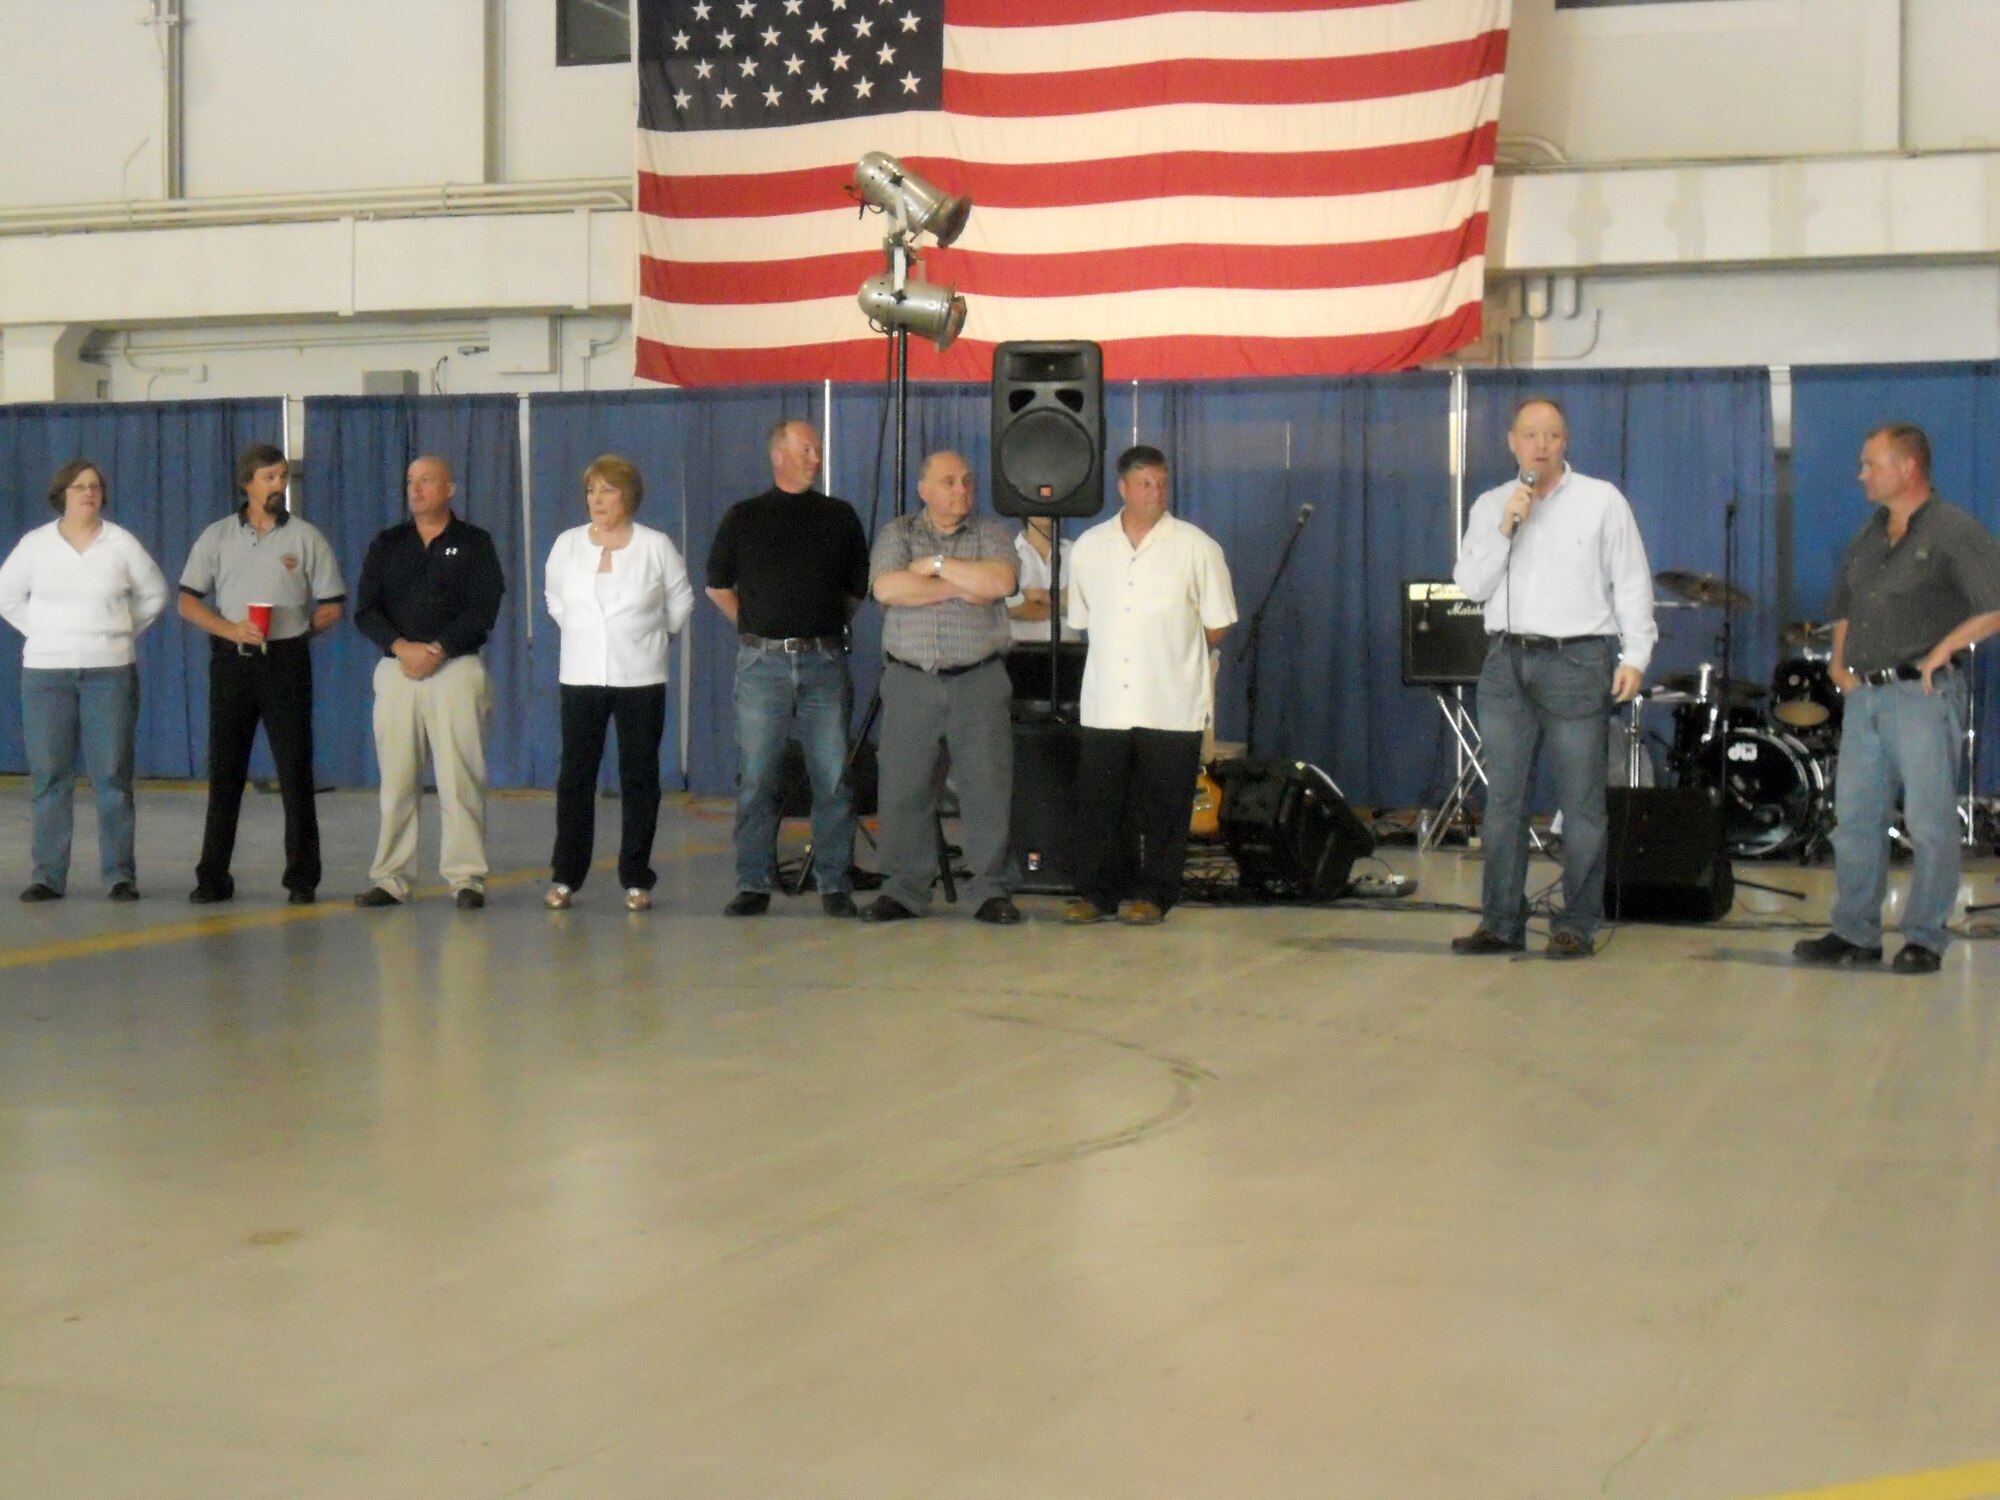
1154, 593
1030, 605
1557, 561
1917, 586
788, 568
942, 576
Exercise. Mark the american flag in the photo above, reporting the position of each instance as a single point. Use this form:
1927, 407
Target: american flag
1263, 188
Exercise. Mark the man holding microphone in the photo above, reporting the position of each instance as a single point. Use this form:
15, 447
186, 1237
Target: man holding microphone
1556, 559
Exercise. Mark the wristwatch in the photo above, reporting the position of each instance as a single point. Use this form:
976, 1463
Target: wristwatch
937, 566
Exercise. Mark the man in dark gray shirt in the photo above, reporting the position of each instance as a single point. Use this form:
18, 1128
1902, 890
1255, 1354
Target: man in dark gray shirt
943, 575
1916, 587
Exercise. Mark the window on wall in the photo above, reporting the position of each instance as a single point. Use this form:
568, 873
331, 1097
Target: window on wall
593, 31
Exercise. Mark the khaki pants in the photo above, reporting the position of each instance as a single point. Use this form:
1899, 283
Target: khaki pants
446, 713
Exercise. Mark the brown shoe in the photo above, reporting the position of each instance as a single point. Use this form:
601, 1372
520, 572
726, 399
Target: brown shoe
1141, 914
1081, 911
1566, 944
1483, 940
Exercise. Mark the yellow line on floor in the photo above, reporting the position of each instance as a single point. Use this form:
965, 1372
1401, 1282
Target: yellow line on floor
1968, 1482
102, 943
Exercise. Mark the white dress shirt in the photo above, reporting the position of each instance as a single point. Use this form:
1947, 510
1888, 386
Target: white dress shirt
1578, 567
617, 632
1034, 570
1148, 610
80, 609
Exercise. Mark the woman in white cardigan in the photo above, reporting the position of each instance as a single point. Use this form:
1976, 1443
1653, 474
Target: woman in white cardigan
82, 591
619, 591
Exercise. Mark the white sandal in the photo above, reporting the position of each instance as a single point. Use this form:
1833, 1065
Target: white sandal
558, 898
638, 900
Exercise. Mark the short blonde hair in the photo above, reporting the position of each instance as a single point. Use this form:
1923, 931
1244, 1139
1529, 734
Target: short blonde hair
620, 474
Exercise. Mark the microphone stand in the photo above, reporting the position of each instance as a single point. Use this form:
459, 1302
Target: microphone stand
1254, 640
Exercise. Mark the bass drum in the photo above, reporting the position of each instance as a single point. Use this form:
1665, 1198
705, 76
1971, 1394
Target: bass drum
1774, 795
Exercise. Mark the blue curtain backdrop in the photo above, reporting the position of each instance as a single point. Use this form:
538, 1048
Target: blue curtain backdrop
170, 467
357, 449
1683, 446
1834, 407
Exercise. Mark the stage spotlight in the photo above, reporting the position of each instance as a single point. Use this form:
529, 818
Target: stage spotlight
933, 312
915, 205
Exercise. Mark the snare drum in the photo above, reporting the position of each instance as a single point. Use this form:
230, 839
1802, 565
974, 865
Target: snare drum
1803, 695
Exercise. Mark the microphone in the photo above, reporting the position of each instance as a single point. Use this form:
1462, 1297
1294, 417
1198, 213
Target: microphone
1305, 513
1529, 479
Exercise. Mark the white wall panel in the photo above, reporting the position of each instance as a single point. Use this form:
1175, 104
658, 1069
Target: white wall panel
80, 102
298, 96
560, 122
1954, 98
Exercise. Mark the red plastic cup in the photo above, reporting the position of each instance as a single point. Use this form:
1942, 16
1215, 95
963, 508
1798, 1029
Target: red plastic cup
260, 616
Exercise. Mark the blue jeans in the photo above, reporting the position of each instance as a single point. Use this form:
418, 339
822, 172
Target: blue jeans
97, 708
1899, 738
779, 694
1558, 697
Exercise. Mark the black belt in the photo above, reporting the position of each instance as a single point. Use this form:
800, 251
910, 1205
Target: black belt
1547, 642
971, 666
792, 645
1907, 671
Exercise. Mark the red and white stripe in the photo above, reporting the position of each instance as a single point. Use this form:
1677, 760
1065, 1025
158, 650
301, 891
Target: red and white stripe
1285, 187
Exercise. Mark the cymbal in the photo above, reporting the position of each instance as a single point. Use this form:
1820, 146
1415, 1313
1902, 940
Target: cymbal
1702, 588
1689, 683
1808, 634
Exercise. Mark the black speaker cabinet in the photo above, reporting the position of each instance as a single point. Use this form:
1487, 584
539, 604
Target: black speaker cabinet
1288, 828
1664, 861
1042, 820
1444, 635
1048, 429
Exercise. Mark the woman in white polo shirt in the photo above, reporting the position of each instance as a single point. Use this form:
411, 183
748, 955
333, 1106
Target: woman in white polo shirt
81, 590
619, 591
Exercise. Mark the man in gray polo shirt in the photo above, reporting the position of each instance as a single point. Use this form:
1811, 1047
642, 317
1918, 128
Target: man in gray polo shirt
943, 576
1916, 587
260, 554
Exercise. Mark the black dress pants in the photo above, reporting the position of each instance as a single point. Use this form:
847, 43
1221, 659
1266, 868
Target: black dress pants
641, 716
272, 687
1135, 796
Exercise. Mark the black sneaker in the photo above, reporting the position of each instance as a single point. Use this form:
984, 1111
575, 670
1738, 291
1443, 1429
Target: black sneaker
1916, 959
1834, 949
1483, 940
748, 904
124, 890
40, 892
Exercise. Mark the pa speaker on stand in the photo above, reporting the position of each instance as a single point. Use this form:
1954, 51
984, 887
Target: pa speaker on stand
1048, 429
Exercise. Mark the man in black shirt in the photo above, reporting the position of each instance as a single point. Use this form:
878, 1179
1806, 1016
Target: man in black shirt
788, 568
1916, 587
429, 594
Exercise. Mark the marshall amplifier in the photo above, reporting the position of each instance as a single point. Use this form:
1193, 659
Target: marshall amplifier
1444, 635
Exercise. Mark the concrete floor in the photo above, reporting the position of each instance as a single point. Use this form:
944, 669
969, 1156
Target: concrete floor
1264, 1203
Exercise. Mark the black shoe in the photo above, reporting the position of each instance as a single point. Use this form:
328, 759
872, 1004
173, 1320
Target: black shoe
470, 899
887, 909
124, 890
301, 897
209, 895
748, 904
837, 904
40, 892
375, 895
1834, 949
1916, 959
1565, 944
1484, 940
998, 910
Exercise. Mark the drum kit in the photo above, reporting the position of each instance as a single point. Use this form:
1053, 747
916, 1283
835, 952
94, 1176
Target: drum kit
1770, 752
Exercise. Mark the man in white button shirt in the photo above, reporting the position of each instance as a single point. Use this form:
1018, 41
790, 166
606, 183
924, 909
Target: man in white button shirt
1154, 594
1557, 560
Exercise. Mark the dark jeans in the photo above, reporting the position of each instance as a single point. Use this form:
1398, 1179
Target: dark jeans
778, 692
1558, 697
272, 687
1134, 798
925, 716
641, 716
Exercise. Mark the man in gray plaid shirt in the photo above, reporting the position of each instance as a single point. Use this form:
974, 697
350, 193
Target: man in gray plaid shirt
943, 576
